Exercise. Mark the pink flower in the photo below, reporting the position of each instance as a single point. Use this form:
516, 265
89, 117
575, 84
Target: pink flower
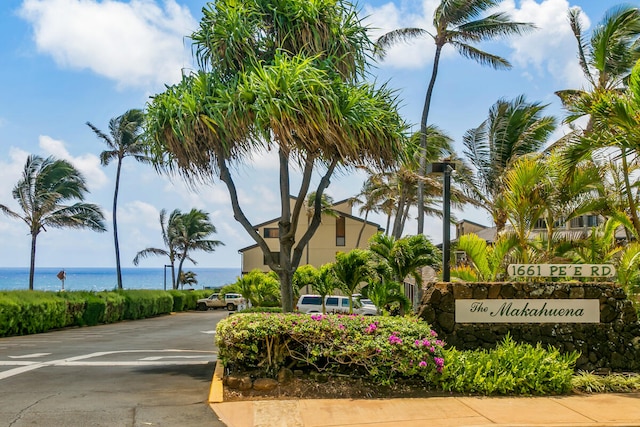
371, 328
439, 361
341, 326
422, 364
434, 333
317, 317
394, 339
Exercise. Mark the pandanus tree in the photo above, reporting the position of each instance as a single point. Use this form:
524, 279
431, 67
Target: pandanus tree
462, 24
122, 141
43, 191
283, 76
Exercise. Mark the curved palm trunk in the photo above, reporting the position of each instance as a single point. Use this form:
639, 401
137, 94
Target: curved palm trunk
32, 263
423, 138
630, 201
115, 225
364, 223
182, 258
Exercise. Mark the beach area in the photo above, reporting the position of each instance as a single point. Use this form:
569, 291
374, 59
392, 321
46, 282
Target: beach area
104, 278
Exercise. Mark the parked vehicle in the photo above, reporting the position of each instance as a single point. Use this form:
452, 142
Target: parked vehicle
333, 304
229, 301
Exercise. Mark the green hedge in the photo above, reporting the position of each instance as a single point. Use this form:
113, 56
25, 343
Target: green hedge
29, 312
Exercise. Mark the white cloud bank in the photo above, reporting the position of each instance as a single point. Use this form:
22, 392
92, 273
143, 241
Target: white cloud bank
550, 49
136, 44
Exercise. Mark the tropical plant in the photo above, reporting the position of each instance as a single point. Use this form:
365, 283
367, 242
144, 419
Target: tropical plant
606, 57
485, 262
351, 270
514, 128
304, 277
42, 192
190, 233
284, 77
123, 141
168, 229
628, 269
325, 284
405, 256
187, 278
257, 287
384, 292
458, 23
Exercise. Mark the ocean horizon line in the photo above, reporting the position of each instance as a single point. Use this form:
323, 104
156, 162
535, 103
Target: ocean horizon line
104, 278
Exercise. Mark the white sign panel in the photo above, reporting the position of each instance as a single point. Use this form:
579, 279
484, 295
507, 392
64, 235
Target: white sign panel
561, 270
527, 311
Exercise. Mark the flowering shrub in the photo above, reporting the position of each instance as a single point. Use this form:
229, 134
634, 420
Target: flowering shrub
379, 348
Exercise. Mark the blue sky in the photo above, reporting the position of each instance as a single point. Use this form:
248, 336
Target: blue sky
66, 62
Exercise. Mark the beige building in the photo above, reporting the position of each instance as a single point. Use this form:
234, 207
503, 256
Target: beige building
337, 233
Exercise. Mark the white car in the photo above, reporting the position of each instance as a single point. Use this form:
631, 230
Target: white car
333, 304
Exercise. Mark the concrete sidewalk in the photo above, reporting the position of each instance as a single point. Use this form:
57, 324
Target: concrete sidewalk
588, 410
576, 410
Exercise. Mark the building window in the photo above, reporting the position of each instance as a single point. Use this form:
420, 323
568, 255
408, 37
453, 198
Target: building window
592, 220
340, 231
270, 232
577, 222
276, 255
541, 224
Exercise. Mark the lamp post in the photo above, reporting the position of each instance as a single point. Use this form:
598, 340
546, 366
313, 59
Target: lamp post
445, 167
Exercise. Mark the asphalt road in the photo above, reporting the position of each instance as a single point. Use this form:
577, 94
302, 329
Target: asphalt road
152, 372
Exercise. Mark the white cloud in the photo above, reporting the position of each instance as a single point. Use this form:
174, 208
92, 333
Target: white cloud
551, 48
412, 54
142, 214
87, 164
10, 173
135, 43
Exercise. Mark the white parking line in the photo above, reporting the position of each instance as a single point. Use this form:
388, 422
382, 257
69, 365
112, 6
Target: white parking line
26, 366
28, 356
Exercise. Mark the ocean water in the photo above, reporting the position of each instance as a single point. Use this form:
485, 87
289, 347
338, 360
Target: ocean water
99, 279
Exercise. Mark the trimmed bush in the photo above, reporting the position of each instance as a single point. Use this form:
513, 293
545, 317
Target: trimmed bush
266, 309
115, 304
32, 311
380, 349
510, 368
143, 303
179, 299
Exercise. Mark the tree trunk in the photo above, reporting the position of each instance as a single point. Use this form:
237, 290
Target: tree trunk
115, 224
423, 138
182, 258
364, 223
32, 263
630, 201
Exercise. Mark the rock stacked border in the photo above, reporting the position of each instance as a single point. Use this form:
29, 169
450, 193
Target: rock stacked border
612, 344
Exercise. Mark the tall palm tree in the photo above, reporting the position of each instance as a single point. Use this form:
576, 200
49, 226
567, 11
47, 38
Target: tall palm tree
190, 234
123, 141
607, 56
459, 23
168, 228
42, 192
514, 128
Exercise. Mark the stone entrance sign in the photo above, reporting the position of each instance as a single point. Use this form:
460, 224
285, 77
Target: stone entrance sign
527, 311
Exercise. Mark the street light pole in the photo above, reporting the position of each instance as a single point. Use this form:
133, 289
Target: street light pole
446, 226
445, 168
165, 277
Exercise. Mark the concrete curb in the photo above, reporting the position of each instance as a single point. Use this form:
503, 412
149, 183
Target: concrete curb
216, 391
